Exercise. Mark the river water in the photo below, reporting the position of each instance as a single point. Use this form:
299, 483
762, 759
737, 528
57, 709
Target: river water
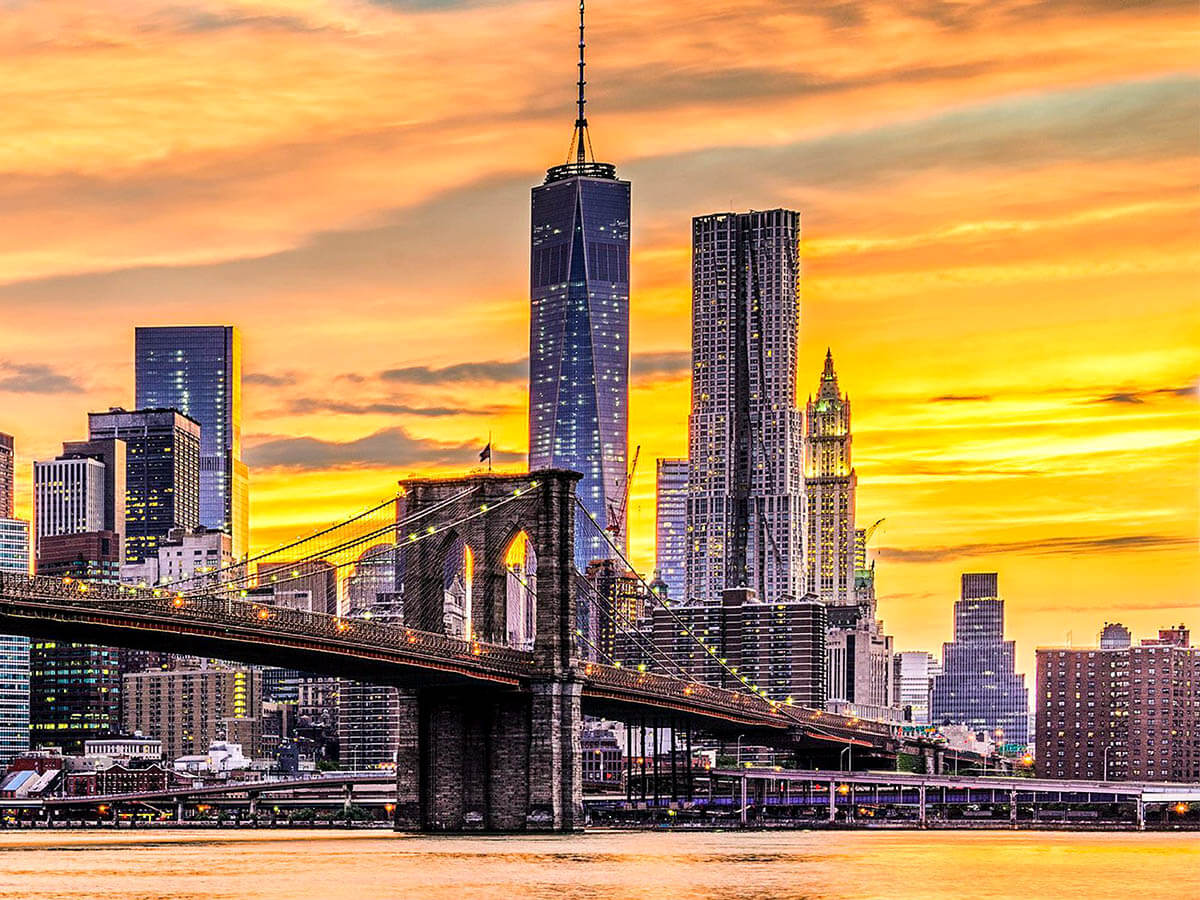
301, 865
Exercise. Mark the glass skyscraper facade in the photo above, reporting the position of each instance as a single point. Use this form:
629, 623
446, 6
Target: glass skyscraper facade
162, 474
579, 339
198, 371
979, 686
14, 650
670, 525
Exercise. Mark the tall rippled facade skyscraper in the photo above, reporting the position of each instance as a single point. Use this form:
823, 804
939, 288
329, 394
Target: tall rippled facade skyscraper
745, 507
198, 371
579, 332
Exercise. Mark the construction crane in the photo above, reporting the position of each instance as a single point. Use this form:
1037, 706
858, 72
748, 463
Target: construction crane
861, 569
616, 512
867, 532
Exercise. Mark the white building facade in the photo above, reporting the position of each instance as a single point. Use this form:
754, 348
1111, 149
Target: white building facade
68, 496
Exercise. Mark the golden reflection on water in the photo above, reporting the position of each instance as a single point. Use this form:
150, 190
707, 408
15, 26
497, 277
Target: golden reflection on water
303, 865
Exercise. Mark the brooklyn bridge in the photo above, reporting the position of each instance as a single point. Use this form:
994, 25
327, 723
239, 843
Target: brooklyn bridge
492, 707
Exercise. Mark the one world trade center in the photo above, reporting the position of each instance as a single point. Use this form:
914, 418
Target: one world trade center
579, 333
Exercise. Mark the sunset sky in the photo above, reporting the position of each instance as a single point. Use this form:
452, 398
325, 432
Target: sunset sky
999, 204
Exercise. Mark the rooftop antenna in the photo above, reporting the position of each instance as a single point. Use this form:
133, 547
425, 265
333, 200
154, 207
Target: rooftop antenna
581, 133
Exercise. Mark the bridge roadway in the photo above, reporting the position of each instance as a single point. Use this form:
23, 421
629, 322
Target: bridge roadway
235, 629
840, 792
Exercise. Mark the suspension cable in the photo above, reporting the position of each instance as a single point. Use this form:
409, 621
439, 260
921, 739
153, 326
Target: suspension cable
687, 629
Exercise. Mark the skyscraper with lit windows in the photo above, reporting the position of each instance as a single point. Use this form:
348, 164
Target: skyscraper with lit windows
198, 371
7, 468
670, 526
162, 473
979, 686
745, 445
579, 331
829, 487
14, 649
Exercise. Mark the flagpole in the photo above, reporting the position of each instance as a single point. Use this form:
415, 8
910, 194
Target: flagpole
489, 450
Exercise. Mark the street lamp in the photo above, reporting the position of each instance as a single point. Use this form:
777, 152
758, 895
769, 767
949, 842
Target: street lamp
850, 762
1106, 749
739, 750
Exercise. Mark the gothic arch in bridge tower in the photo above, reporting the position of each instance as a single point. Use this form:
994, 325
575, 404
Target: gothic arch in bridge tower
520, 563
458, 577
520, 531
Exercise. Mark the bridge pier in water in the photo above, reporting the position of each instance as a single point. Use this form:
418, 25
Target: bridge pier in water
497, 757
490, 760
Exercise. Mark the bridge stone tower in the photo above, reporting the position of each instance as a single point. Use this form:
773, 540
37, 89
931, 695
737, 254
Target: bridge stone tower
504, 758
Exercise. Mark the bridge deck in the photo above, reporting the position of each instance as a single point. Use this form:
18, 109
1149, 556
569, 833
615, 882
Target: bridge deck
257, 633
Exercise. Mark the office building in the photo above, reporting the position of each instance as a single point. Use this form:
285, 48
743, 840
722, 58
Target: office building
368, 721
979, 686
615, 600
579, 332
111, 453
90, 556
1120, 712
371, 587
7, 470
162, 473
74, 693
778, 647
1115, 636
14, 546
913, 672
188, 560
781, 645
198, 371
670, 526
75, 689
745, 485
187, 709
14, 650
68, 497
859, 665
829, 486
679, 640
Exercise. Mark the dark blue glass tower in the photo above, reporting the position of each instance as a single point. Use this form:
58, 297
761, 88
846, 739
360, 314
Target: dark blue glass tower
198, 371
579, 333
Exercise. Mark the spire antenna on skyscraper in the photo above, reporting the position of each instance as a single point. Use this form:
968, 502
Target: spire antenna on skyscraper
581, 141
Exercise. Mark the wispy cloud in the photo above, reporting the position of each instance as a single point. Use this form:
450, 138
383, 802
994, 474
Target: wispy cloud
36, 378
485, 371
388, 448
1136, 397
671, 363
283, 379
305, 405
1053, 546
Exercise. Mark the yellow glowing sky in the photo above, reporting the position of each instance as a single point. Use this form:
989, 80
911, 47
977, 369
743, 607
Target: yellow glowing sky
1000, 214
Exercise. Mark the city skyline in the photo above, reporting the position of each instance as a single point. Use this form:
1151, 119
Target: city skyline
977, 463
